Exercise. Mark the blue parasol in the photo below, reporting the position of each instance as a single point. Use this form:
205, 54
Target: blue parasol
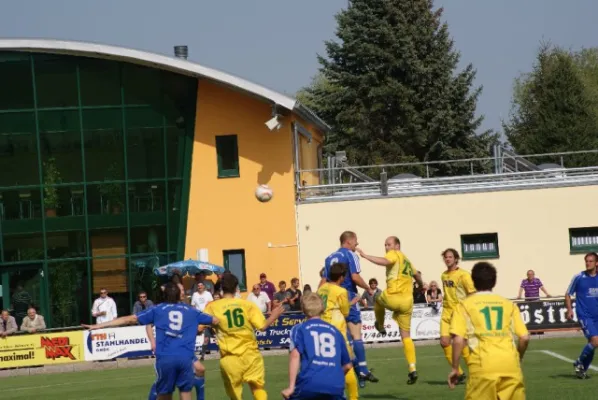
190, 267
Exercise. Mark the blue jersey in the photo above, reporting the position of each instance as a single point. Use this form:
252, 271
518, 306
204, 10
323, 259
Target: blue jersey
176, 328
585, 289
323, 354
348, 257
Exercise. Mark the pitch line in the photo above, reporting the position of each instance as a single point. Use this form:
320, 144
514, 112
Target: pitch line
563, 358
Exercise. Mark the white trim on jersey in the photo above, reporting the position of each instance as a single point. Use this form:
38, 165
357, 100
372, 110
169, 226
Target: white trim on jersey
356, 261
571, 287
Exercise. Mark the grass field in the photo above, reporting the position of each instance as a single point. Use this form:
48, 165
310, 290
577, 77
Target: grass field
547, 377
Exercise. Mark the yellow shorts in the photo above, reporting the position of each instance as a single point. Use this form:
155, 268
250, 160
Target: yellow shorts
492, 387
235, 371
401, 307
445, 322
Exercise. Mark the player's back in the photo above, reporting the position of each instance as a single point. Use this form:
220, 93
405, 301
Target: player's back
239, 319
585, 289
457, 286
336, 305
399, 275
349, 258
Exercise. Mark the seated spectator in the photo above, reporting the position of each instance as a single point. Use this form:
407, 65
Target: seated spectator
8, 325
531, 286
367, 299
434, 294
260, 299
142, 304
33, 322
282, 297
306, 289
419, 292
295, 295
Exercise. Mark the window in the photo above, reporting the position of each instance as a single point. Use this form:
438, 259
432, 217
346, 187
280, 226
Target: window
583, 240
228, 156
234, 262
478, 246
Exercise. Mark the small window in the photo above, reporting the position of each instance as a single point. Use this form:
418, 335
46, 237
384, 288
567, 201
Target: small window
228, 156
583, 240
234, 262
479, 246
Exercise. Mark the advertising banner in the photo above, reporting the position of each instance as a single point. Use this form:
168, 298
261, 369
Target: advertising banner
110, 343
41, 349
425, 324
546, 315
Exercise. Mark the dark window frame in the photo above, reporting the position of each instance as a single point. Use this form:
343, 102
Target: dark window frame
586, 231
480, 238
221, 141
243, 279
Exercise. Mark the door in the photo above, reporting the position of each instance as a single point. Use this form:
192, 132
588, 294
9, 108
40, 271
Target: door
24, 286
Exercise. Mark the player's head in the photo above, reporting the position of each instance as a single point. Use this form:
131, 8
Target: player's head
483, 275
450, 257
392, 243
229, 283
348, 240
172, 293
338, 272
312, 306
591, 260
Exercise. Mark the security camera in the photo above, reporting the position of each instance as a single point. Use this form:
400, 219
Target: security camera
274, 123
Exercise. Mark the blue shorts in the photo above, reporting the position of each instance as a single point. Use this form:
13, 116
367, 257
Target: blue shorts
299, 394
354, 314
174, 372
589, 326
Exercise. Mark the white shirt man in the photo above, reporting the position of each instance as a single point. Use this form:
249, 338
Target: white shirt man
201, 298
104, 308
260, 298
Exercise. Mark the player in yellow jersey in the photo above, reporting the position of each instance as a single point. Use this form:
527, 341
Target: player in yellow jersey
336, 308
240, 360
457, 286
397, 297
485, 323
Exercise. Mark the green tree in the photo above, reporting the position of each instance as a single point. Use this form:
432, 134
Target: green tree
391, 90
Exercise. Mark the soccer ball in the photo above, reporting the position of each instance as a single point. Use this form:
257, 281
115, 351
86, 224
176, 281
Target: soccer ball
263, 193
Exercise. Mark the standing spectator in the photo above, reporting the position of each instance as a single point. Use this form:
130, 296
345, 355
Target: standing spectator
33, 322
260, 298
282, 297
434, 294
104, 308
200, 277
8, 325
142, 304
367, 299
419, 292
295, 295
217, 296
266, 286
531, 286
201, 298
306, 289
21, 301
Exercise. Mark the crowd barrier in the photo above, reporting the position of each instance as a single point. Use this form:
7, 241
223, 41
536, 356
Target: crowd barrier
48, 348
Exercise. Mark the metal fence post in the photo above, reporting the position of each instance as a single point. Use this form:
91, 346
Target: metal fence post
384, 183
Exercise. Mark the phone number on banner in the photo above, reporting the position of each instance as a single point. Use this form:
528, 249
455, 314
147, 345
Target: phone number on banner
425, 324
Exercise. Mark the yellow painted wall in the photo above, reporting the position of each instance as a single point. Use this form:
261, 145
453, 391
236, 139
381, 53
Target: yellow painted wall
532, 226
224, 213
308, 154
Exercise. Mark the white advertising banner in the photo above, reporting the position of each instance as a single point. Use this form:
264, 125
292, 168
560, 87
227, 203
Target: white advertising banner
110, 343
425, 324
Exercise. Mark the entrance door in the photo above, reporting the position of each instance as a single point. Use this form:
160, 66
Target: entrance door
23, 286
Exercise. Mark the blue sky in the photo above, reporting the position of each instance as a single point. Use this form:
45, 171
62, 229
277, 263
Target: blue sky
274, 42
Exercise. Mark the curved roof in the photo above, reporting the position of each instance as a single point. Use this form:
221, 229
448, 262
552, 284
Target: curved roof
173, 64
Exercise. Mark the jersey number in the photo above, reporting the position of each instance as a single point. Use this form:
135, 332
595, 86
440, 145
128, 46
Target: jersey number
235, 318
488, 317
176, 320
324, 344
408, 270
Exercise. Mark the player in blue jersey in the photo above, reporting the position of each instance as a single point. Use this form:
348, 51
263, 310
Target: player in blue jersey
346, 254
176, 328
584, 287
319, 357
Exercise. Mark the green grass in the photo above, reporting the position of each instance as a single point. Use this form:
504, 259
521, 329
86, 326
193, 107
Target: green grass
546, 377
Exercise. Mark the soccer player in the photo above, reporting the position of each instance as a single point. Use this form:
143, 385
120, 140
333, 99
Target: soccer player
486, 322
346, 255
176, 327
319, 356
584, 287
397, 297
457, 286
336, 309
240, 359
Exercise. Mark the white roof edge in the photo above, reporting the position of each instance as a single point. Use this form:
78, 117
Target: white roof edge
162, 62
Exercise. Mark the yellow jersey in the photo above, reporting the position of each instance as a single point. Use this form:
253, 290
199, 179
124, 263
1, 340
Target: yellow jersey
457, 286
399, 275
336, 305
239, 319
488, 322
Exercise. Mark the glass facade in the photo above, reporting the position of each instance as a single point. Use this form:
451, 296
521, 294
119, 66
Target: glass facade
94, 177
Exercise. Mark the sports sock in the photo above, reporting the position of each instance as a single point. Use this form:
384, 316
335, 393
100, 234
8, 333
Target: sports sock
448, 353
260, 394
379, 311
359, 349
351, 385
409, 349
466, 353
199, 383
587, 355
153, 394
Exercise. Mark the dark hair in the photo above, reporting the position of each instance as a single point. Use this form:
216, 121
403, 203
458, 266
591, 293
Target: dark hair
229, 283
346, 235
175, 278
451, 250
373, 280
396, 240
282, 283
322, 272
483, 275
172, 293
306, 287
591, 254
294, 280
337, 271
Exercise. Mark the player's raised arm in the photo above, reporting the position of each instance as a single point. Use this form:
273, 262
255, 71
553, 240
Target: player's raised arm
381, 261
128, 320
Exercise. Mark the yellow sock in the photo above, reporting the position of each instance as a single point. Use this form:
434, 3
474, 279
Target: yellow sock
448, 353
465, 354
351, 385
409, 349
260, 394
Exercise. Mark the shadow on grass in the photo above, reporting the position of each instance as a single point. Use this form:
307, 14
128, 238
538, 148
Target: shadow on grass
437, 383
382, 396
565, 376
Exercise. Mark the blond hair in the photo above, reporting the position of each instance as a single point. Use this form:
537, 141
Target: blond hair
312, 305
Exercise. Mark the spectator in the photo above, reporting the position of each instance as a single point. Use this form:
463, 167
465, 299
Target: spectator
21, 301
104, 307
282, 297
367, 299
434, 294
201, 298
143, 303
306, 289
8, 325
419, 292
260, 298
267, 286
217, 296
531, 286
295, 295
33, 322
200, 277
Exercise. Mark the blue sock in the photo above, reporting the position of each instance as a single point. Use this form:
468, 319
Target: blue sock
199, 383
359, 349
587, 355
153, 394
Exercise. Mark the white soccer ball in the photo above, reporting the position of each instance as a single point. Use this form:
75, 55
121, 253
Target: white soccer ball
263, 193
